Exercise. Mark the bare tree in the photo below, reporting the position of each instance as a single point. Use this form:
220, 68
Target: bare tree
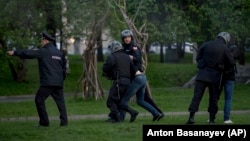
140, 35
89, 80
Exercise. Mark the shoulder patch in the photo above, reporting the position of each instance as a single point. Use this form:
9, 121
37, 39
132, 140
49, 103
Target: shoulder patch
135, 48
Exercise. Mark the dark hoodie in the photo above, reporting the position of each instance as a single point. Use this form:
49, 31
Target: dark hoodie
134, 50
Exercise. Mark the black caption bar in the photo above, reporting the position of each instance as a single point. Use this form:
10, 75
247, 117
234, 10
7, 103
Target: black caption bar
204, 132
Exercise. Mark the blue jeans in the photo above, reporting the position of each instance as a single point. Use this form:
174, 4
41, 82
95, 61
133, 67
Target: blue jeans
137, 86
228, 93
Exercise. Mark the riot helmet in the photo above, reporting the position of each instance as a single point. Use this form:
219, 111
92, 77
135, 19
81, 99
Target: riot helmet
126, 33
115, 46
225, 36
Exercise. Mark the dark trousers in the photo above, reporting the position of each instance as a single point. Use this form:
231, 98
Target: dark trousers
57, 94
199, 89
114, 99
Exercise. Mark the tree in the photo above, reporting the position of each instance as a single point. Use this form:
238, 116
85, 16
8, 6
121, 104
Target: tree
19, 30
92, 30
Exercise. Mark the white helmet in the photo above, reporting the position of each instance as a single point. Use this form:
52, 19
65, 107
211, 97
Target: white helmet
114, 46
225, 36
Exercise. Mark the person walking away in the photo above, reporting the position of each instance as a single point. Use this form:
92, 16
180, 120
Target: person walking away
228, 82
138, 83
117, 68
52, 73
211, 58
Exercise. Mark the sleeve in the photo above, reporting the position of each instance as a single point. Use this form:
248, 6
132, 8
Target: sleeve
107, 66
137, 60
199, 58
229, 57
28, 54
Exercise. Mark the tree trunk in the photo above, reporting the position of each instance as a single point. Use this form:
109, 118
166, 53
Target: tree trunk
91, 86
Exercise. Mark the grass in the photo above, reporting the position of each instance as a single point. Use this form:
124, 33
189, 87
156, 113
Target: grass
165, 81
158, 74
169, 100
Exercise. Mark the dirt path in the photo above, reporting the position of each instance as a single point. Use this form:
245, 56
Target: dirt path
8, 99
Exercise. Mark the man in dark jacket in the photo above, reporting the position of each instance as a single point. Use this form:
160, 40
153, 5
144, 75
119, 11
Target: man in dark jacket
52, 68
117, 68
138, 81
228, 81
211, 59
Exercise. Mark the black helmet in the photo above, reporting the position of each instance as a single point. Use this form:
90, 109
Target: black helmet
126, 33
114, 46
225, 36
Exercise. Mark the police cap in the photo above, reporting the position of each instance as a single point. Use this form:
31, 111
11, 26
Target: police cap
47, 36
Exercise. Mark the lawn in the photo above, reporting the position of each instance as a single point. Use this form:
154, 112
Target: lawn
165, 81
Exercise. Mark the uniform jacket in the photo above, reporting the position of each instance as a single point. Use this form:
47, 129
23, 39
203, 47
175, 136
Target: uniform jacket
211, 58
52, 64
135, 51
118, 62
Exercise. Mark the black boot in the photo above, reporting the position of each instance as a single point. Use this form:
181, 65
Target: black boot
133, 113
191, 118
211, 118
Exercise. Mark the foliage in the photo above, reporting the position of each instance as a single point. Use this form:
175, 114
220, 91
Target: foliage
9, 87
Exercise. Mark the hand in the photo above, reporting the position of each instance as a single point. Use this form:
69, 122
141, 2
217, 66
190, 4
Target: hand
131, 57
10, 53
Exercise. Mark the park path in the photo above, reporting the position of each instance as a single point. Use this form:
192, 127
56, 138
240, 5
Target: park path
9, 99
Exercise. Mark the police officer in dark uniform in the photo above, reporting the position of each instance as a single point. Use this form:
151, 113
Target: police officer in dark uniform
138, 80
117, 68
136, 53
52, 68
211, 59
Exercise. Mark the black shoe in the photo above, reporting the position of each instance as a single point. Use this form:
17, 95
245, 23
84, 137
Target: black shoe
63, 124
211, 122
158, 117
190, 121
161, 116
133, 116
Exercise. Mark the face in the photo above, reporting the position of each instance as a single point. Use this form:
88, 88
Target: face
43, 41
127, 39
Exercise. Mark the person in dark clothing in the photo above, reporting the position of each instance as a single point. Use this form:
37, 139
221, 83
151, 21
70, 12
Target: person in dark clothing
228, 81
211, 58
52, 68
138, 80
117, 68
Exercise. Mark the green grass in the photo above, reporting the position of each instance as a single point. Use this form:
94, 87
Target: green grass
169, 100
158, 74
164, 79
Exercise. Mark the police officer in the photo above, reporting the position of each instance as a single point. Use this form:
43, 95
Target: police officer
52, 68
138, 83
117, 68
211, 58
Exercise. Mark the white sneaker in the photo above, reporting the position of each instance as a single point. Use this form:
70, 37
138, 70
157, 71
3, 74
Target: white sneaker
228, 121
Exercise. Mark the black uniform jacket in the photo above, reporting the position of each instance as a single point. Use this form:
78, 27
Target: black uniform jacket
51, 63
211, 58
118, 62
134, 50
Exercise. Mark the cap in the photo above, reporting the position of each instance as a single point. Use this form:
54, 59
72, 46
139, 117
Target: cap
47, 36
